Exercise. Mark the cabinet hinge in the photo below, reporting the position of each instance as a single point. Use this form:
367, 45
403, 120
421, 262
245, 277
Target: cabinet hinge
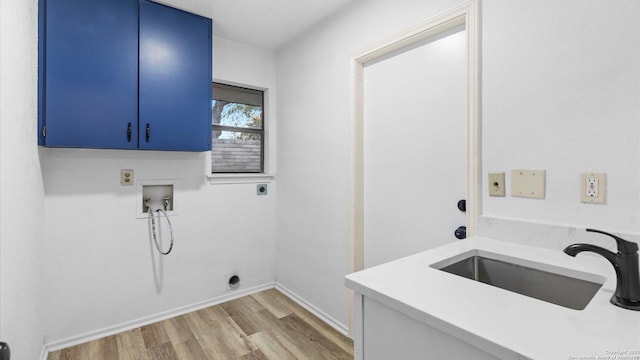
44, 131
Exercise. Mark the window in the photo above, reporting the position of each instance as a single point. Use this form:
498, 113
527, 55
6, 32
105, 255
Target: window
238, 130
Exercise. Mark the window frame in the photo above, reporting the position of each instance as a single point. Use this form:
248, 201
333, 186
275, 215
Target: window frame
266, 176
261, 131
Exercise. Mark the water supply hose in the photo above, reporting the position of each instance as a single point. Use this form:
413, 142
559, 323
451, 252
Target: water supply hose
153, 229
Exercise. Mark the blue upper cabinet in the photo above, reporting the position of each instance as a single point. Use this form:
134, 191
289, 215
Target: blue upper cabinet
95, 90
90, 73
175, 79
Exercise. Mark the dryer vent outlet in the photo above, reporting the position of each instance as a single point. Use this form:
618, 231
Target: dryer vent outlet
233, 282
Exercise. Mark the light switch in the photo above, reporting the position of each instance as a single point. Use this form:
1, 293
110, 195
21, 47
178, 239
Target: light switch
528, 183
496, 184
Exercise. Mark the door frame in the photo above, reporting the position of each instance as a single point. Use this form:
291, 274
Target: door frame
465, 14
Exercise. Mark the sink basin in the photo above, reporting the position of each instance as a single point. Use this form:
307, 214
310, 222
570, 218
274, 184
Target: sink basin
567, 291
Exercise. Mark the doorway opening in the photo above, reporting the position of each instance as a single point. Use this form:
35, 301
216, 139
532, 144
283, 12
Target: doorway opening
464, 16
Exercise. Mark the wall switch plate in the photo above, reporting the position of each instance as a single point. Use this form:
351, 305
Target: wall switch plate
593, 188
528, 183
126, 177
496, 184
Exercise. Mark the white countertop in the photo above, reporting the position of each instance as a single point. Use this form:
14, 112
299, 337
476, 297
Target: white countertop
503, 323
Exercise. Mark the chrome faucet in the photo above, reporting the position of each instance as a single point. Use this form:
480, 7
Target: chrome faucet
625, 262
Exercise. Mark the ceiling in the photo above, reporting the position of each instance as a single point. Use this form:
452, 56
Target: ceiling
269, 24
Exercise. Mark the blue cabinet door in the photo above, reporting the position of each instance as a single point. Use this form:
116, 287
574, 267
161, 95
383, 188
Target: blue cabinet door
90, 79
175, 79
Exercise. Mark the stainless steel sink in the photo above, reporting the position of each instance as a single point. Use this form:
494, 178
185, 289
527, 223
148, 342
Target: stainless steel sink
558, 289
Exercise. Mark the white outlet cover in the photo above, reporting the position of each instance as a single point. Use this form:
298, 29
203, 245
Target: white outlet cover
593, 188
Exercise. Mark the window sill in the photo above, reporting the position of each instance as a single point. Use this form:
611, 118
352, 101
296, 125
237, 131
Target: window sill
240, 178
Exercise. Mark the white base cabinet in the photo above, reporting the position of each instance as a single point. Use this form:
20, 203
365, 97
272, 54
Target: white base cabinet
384, 333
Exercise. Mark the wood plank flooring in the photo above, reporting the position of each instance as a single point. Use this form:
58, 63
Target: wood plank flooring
265, 325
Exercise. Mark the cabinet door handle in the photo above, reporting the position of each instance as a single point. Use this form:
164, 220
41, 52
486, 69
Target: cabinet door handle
148, 133
129, 132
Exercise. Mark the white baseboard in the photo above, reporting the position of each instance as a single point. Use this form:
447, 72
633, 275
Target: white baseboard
340, 327
111, 330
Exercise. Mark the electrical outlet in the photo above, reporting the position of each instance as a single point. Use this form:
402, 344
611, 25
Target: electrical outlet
126, 177
592, 188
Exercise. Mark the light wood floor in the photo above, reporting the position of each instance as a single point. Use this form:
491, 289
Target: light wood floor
266, 325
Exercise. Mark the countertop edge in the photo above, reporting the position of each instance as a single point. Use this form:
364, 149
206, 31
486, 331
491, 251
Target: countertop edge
435, 322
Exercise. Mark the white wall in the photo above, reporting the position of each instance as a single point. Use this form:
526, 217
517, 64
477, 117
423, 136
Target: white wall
21, 188
557, 90
101, 269
561, 91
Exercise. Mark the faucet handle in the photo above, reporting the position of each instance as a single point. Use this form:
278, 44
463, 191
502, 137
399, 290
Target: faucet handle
624, 246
